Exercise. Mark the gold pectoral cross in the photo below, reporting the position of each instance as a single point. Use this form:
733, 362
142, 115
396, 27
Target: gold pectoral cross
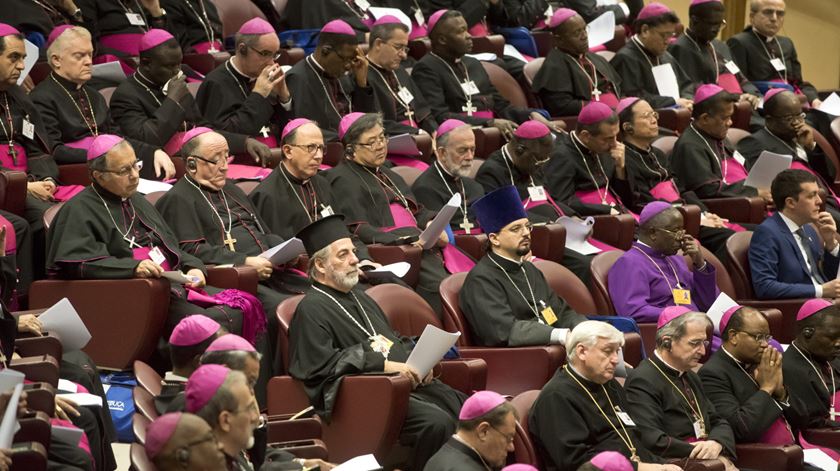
229, 241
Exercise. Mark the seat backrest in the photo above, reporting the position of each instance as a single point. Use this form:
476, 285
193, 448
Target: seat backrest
407, 312
506, 85
834, 138
139, 460
665, 144
144, 403
50, 214
737, 248
567, 286
722, 278
531, 69
247, 186
608, 55
154, 196
107, 92
734, 136
742, 116
147, 378
524, 450
139, 422
476, 164
830, 152
234, 13
599, 287
409, 174
453, 317
285, 312
548, 242
492, 43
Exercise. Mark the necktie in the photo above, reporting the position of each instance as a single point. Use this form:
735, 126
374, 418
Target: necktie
815, 270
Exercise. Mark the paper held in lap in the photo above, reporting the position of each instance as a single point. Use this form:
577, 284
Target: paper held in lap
63, 320
282, 253
432, 233
430, 349
576, 234
10, 381
666, 81
766, 168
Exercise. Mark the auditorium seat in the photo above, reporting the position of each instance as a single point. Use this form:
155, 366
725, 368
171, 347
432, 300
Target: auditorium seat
31, 456
144, 403
487, 141
147, 378
13, 191
139, 422
507, 86
388, 254
548, 242
691, 214
234, 13
409, 174
204, 63
523, 448
734, 136
492, 43
743, 113
34, 427
139, 460
615, 230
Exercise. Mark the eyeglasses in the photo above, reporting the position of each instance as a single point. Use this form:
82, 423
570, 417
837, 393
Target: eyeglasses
126, 171
666, 35
266, 54
791, 118
649, 114
214, 163
759, 337
517, 229
508, 438
695, 344
378, 141
310, 149
771, 12
400, 48
679, 234
345, 59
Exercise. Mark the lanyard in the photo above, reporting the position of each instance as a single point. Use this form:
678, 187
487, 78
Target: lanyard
372, 332
770, 56
94, 130
527, 282
721, 161
124, 235
594, 181
698, 414
711, 51
679, 285
327, 93
314, 196
820, 376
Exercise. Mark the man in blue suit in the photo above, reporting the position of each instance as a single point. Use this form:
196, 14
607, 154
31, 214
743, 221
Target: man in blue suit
787, 257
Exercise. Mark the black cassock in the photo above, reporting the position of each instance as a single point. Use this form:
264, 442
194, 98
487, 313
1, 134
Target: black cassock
386, 86
31, 17
634, 64
474, 11
326, 100
565, 83
107, 17
326, 343
705, 63
193, 22
499, 316
435, 186
569, 429
455, 455
809, 381
303, 14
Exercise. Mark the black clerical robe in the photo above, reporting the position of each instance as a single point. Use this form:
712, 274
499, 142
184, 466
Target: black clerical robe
171, 397
33, 17
386, 86
435, 186
40, 164
573, 169
753, 52
568, 429
809, 381
474, 11
456, 455
326, 100
302, 14
705, 63
441, 82
663, 416
730, 386
698, 162
565, 83
193, 22
634, 64
108, 17
499, 316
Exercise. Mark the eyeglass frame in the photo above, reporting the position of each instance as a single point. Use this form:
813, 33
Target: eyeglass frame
758, 337
214, 163
266, 54
509, 439
381, 139
312, 151
673, 233
790, 118
124, 172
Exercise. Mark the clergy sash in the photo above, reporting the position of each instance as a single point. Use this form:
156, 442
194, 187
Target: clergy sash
800, 166
594, 197
253, 314
83, 143
270, 141
608, 99
204, 47
666, 190
730, 83
778, 434
17, 163
173, 145
65, 192
128, 43
735, 172
406, 161
455, 261
486, 114
401, 216
249, 172
142, 253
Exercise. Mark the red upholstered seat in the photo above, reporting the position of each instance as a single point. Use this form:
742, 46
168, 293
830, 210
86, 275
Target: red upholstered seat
147, 378
144, 403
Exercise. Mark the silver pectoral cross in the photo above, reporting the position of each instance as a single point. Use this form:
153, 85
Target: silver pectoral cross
596, 94
469, 108
264, 131
466, 225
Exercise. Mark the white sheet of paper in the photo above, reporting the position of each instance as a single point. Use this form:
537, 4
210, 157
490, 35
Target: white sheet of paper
280, 254
666, 81
83, 399
577, 233
31, 58
484, 56
379, 12
67, 386
715, 312
601, 29
359, 463
403, 144
9, 379
766, 168
9, 425
111, 71
178, 277
430, 349
831, 105
63, 320
399, 269
603, 3
70, 435
818, 458
145, 186
511, 51
432, 232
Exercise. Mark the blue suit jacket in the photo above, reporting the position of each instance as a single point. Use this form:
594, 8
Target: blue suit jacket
777, 265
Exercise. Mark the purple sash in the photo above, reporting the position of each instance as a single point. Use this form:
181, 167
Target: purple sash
83, 143
127, 43
18, 163
455, 261
142, 253
735, 172
729, 82
408, 161
778, 434
173, 145
253, 315
801, 166
204, 47
65, 192
401, 216
270, 141
609, 99
666, 191
482, 114
594, 197
237, 171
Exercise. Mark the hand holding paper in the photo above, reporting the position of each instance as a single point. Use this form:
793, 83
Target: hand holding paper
766, 168
429, 236
430, 349
284, 252
63, 320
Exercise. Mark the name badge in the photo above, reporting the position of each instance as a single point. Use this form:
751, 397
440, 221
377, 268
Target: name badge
469, 88
548, 315
699, 430
740, 158
548, 13
326, 211
28, 129
732, 67
405, 95
778, 64
419, 18
362, 4
378, 343
135, 19
625, 417
537, 193
157, 256
681, 296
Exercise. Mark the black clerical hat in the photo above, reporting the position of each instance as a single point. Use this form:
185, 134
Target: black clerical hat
322, 233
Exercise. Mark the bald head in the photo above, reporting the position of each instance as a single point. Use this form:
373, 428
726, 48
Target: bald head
192, 446
207, 159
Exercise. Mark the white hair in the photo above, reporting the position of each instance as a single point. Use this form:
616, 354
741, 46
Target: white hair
587, 334
57, 47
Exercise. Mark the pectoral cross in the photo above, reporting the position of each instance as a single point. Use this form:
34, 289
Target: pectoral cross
229, 241
466, 225
264, 131
13, 152
596, 94
469, 108
409, 114
832, 414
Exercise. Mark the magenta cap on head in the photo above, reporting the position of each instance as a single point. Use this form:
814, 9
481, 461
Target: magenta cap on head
811, 307
449, 125
7, 30
338, 27
670, 313
433, 20
773, 92
56, 32
230, 342
346, 122
706, 91
531, 130
257, 26
519, 467
159, 432
102, 144
626, 103
560, 16
611, 461
294, 124
700, 2
388, 20
724, 320
155, 37
203, 385
651, 210
594, 112
479, 404
196, 131
192, 330
653, 9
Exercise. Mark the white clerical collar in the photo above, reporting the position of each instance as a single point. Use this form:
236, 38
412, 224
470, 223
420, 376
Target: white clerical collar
233, 64
792, 226
575, 138
315, 62
569, 364
170, 376
681, 372
444, 169
737, 361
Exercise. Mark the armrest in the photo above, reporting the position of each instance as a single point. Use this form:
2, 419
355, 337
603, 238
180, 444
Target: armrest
698, 465
31, 456
49, 344
691, 219
241, 278
204, 63
615, 230
291, 56
512, 370
139, 422
822, 437
43, 368
306, 449
472, 244
424, 145
769, 457
548, 242
494, 43
738, 209
487, 141
13, 192
386, 254
73, 174
40, 397
675, 119
280, 429
34, 427
466, 375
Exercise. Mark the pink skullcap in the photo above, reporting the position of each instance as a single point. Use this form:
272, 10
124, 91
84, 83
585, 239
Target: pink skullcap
203, 385
611, 461
56, 32
706, 91
626, 103
811, 307
724, 320
651, 210
338, 27
193, 330
230, 342
670, 313
700, 2
519, 467
560, 16
449, 125
102, 144
159, 432
155, 37
292, 125
433, 20
194, 132
531, 130
479, 404
346, 122
256, 26
7, 30
388, 20
652, 9
594, 112
773, 92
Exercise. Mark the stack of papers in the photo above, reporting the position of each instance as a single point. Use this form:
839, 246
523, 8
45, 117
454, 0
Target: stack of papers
766, 168
284, 252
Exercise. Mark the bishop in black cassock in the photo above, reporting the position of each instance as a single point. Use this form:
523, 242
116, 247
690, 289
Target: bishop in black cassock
117, 25
36, 19
300, 14
196, 24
